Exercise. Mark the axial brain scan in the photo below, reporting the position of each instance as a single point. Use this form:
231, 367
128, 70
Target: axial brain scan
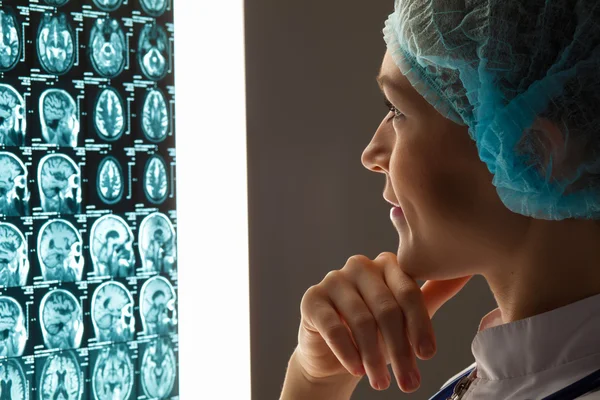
59, 251
158, 306
61, 320
153, 52
109, 182
108, 5
154, 7
155, 116
13, 383
158, 369
13, 122
14, 195
13, 334
109, 115
10, 46
113, 374
155, 180
61, 378
157, 243
14, 264
55, 44
59, 183
108, 47
111, 247
59, 118
112, 313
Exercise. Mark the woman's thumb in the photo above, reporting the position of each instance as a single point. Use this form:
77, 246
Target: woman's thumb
437, 293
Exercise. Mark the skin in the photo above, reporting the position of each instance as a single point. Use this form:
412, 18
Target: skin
455, 224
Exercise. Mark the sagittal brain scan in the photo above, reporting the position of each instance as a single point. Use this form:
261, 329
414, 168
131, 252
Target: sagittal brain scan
108, 5
158, 307
14, 194
113, 374
59, 250
13, 383
155, 116
112, 313
59, 183
13, 334
111, 247
61, 320
154, 7
154, 51
59, 118
156, 180
14, 262
12, 116
158, 368
158, 250
108, 49
10, 45
109, 115
61, 378
110, 183
55, 43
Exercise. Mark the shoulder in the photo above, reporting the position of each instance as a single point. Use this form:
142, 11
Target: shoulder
459, 374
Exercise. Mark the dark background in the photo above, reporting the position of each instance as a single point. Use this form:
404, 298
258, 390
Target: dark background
312, 107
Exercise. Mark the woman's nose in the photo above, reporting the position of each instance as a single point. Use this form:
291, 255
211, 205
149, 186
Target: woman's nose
376, 155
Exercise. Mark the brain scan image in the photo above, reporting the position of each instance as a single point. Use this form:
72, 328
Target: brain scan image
112, 378
10, 46
154, 7
112, 313
155, 116
153, 52
108, 48
156, 242
14, 262
155, 180
108, 5
55, 43
13, 383
158, 368
59, 251
12, 116
111, 247
14, 194
13, 334
109, 182
56, 3
109, 115
59, 118
61, 378
59, 183
158, 306
61, 320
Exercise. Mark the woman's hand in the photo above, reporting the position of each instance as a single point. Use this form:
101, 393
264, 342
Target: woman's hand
368, 314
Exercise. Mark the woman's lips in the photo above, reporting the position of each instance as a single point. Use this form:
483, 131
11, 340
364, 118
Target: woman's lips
396, 213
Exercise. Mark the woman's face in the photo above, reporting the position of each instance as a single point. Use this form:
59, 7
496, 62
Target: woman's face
454, 222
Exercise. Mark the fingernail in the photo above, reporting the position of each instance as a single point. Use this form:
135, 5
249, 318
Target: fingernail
383, 383
426, 348
411, 381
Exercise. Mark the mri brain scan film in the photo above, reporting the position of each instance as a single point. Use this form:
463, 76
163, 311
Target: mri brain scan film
56, 44
88, 191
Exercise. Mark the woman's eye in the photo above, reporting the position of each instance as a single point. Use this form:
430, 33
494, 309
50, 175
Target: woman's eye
394, 110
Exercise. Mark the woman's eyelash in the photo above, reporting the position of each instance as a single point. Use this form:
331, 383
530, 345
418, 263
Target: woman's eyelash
397, 114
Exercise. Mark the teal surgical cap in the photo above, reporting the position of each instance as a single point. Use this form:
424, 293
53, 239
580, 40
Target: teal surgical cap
524, 76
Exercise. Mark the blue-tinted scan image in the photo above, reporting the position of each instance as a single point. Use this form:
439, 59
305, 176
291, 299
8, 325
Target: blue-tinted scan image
108, 5
12, 116
14, 194
14, 264
154, 52
155, 180
109, 115
108, 49
59, 247
10, 45
112, 377
111, 247
13, 383
56, 3
109, 182
13, 334
61, 320
154, 7
59, 184
158, 306
59, 118
158, 368
55, 44
61, 378
112, 313
155, 116
156, 242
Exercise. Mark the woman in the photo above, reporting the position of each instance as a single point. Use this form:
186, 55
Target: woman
492, 159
